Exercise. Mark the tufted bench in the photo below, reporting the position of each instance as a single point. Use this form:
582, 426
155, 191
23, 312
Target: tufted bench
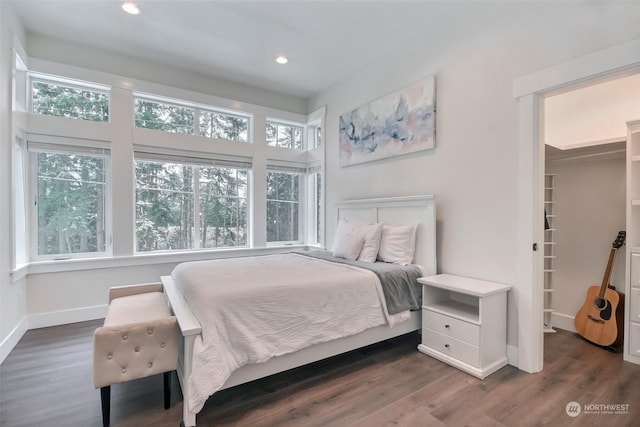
139, 338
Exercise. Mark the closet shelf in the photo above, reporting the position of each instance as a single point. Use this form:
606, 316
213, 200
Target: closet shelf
548, 254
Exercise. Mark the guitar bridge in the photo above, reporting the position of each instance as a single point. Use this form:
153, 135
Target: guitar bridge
595, 319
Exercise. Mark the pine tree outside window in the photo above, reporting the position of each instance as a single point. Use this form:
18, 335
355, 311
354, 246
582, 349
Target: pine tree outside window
284, 135
283, 206
71, 200
182, 206
52, 98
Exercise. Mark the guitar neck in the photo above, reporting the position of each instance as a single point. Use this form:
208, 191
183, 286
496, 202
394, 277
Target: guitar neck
607, 273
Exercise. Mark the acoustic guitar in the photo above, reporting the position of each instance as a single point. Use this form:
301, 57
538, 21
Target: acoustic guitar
601, 318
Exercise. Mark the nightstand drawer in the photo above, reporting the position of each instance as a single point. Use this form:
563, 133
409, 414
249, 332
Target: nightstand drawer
446, 325
451, 347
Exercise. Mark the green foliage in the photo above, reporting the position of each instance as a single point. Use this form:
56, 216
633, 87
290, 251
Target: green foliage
165, 196
63, 101
71, 191
282, 206
223, 126
279, 135
166, 117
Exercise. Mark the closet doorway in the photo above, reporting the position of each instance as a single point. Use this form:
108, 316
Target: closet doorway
530, 91
584, 139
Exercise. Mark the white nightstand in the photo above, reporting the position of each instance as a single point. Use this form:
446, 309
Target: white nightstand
464, 323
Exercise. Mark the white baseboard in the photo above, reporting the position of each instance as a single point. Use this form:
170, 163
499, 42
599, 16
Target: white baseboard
44, 320
12, 339
63, 317
563, 321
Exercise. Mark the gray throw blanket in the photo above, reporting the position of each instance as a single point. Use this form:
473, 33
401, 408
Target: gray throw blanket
401, 290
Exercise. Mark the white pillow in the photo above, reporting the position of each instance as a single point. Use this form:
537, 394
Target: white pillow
370, 234
398, 244
348, 246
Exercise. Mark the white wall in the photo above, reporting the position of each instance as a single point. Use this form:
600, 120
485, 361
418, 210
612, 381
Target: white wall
12, 295
590, 207
473, 169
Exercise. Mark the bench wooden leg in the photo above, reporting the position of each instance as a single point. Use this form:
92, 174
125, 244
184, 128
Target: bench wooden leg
105, 397
167, 389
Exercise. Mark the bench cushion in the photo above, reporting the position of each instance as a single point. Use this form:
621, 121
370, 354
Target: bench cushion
137, 308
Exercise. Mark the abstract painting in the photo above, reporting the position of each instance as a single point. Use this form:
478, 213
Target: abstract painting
399, 123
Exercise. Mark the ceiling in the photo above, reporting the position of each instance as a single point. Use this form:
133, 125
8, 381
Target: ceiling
592, 115
238, 41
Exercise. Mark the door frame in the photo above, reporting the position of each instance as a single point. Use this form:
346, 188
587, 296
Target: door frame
529, 91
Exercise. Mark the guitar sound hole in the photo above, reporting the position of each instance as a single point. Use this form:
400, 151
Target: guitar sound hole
600, 303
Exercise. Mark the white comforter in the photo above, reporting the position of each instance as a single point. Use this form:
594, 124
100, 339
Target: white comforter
255, 308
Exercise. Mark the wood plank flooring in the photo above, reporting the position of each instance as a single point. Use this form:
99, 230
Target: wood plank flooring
47, 381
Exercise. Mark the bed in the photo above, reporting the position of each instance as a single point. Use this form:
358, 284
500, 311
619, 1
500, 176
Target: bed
368, 324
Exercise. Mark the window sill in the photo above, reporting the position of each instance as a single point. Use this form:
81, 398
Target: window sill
57, 266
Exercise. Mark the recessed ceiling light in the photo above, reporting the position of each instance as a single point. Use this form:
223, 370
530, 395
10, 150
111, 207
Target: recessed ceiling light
282, 59
130, 7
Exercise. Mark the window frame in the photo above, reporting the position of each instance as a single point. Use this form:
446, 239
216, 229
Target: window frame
71, 146
302, 204
196, 162
278, 122
198, 109
34, 77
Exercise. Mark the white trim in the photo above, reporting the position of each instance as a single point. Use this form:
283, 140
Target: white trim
12, 339
616, 61
563, 321
57, 266
603, 63
63, 317
45, 320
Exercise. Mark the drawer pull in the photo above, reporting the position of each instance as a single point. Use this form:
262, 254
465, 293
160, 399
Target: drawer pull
446, 345
446, 326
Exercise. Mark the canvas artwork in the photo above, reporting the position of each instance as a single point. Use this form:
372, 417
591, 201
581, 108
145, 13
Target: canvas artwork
400, 123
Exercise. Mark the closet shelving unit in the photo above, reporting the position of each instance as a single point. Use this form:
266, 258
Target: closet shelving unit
549, 250
632, 273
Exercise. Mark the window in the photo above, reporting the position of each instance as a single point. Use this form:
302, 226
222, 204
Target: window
52, 98
166, 117
283, 135
223, 126
179, 118
71, 202
185, 205
283, 201
316, 136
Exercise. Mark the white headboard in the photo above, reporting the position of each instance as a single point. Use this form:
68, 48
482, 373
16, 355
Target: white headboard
399, 211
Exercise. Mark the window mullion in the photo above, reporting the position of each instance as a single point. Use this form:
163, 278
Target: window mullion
196, 122
196, 207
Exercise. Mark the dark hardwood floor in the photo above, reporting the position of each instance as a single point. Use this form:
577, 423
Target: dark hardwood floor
47, 381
